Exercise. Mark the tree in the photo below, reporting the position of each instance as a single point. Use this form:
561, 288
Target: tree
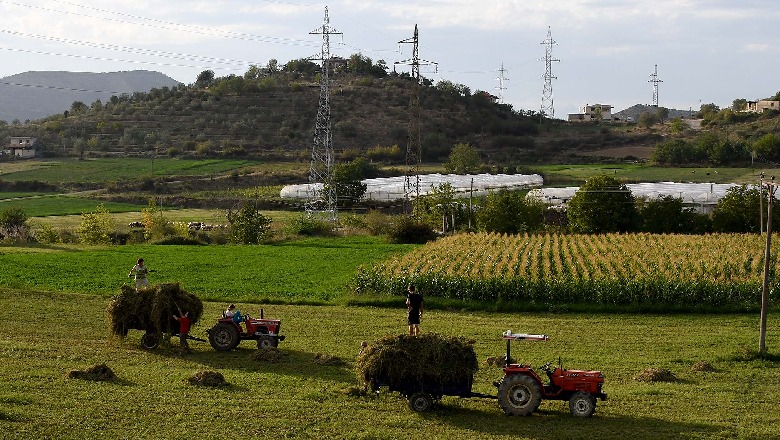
248, 225
78, 107
510, 212
740, 211
667, 215
602, 204
156, 226
739, 104
347, 179
463, 159
439, 208
661, 113
647, 119
205, 78
13, 222
96, 227
767, 147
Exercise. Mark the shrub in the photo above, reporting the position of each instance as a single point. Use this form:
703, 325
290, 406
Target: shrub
96, 227
46, 234
409, 230
309, 225
248, 225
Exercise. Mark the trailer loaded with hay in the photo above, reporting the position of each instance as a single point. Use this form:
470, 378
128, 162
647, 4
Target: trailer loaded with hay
425, 368
151, 311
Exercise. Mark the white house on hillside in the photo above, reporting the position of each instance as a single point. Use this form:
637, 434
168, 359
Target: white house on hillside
593, 112
21, 147
762, 106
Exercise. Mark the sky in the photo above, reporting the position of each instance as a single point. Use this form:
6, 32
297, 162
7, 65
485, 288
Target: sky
605, 51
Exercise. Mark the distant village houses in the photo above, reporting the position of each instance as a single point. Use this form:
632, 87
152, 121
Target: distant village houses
595, 112
21, 147
762, 106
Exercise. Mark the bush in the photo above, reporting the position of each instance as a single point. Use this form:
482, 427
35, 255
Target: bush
377, 223
46, 234
409, 230
96, 227
309, 225
248, 225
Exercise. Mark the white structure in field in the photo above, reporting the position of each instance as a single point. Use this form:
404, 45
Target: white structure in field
392, 188
701, 196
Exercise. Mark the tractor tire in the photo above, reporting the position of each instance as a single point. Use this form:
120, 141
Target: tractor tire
223, 337
264, 342
420, 402
582, 404
519, 395
150, 340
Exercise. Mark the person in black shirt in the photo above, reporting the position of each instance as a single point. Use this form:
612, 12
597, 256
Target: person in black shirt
414, 305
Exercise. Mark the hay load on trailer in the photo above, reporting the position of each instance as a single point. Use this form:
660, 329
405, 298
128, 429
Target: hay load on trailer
421, 368
151, 310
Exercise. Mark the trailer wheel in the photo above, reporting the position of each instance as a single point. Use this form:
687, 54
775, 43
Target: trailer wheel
519, 395
150, 340
223, 337
582, 404
265, 342
420, 402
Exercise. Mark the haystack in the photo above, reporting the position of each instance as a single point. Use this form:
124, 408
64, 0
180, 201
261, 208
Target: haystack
208, 379
271, 354
430, 359
98, 372
329, 360
655, 375
152, 309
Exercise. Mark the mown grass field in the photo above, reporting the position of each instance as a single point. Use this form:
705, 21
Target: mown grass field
301, 270
56, 205
574, 174
44, 335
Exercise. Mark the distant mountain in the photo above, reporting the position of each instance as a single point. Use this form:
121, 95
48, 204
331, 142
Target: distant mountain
35, 95
636, 110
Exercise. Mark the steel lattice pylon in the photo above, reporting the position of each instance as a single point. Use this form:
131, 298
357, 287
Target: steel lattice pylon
654, 80
322, 202
547, 108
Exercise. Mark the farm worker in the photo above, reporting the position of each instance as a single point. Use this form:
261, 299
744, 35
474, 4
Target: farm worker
140, 274
184, 329
229, 312
414, 305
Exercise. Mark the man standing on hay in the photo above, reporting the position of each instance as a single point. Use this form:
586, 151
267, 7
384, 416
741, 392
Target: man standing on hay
140, 275
414, 305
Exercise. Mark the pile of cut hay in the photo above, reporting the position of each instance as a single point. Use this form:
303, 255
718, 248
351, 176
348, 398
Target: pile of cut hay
703, 366
152, 309
271, 354
98, 372
498, 361
430, 359
655, 375
208, 379
326, 359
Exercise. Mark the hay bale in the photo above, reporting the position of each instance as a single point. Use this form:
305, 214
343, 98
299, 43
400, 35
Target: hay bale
430, 359
329, 360
353, 391
97, 372
271, 354
655, 375
703, 366
208, 379
151, 309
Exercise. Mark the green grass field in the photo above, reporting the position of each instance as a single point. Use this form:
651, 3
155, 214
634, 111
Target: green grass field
44, 335
575, 174
56, 205
301, 270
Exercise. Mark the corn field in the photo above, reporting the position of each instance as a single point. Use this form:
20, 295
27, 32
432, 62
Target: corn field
617, 269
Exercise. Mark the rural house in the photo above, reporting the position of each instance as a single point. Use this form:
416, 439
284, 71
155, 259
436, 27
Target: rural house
595, 112
21, 147
762, 106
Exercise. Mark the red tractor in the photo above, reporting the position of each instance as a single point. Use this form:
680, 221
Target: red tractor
227, 333
521, 390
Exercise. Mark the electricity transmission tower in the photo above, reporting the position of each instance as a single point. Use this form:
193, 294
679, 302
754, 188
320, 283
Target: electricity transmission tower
414, 142
322, 201
547, 93
654, 79
501, 87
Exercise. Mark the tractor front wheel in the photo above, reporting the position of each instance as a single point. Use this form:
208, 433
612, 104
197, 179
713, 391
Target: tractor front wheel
265, 342
150, 340
420, 402
519, 395
582, 404
223, 337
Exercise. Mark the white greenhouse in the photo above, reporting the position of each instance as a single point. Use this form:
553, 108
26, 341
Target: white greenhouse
392, 188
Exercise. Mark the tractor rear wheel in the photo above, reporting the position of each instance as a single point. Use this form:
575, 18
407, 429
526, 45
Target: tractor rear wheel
420, 402
150, 340
223, 337
519, 395
582, 404
265, 342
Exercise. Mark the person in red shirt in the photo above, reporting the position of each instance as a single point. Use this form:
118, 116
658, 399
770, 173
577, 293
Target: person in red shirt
184, 329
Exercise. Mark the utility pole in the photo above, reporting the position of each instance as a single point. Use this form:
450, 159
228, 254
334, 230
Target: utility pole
501, 87
654, 79
771, 188
547, 108
413, 138
322, 201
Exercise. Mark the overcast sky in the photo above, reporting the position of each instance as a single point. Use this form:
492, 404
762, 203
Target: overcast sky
707, 51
